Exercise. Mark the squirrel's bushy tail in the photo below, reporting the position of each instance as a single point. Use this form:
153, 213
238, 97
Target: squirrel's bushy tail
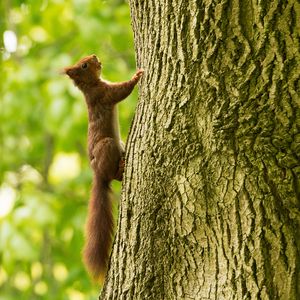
99, 229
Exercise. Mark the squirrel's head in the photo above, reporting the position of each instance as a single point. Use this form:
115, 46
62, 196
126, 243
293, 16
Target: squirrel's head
86, 71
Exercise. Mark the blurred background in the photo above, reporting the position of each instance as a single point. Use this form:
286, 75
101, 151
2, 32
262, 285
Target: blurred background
45, 176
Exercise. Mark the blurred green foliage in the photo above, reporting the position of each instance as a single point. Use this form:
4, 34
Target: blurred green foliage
45, 177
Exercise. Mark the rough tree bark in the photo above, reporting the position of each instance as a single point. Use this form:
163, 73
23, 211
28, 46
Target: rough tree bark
211, 197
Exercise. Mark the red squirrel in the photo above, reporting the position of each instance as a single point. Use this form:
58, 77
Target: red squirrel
106, 154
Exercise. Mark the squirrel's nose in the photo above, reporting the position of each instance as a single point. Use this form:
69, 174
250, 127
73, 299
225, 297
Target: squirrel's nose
67, 70
95, 57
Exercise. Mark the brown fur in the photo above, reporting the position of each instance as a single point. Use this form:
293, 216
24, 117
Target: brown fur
106, 155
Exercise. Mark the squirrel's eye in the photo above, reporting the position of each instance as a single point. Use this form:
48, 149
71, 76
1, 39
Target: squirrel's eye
84, 65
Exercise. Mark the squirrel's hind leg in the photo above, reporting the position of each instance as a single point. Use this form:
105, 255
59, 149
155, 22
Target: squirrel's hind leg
106, 159
119, 174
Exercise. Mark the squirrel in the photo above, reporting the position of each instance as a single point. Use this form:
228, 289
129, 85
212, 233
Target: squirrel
106, 154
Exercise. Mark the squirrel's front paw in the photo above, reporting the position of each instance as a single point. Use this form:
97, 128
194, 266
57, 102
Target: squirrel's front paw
138, 74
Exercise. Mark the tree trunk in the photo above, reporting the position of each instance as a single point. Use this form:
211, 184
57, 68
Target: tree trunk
211, 197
